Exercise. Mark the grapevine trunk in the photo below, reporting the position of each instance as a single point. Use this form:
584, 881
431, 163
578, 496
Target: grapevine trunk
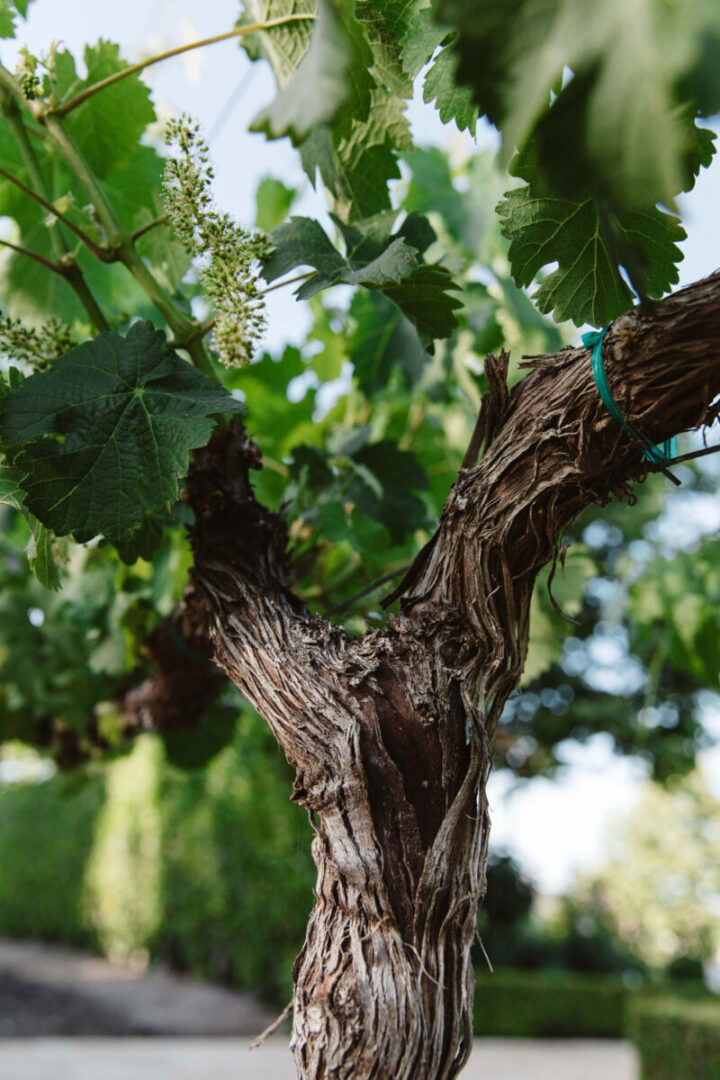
390, 734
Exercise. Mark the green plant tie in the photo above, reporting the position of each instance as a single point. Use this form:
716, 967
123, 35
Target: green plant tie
658, 455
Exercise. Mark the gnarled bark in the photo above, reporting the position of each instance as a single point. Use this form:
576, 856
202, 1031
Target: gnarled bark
390, 734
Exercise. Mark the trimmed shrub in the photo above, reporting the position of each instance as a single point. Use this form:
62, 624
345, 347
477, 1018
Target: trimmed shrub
560, 1004
46, 837
676, 1039
683, 968
549, 1003
209, 871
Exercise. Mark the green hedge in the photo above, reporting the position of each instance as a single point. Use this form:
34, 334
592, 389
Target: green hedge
676, 1039
209, 871
46, 835
561, 1004
552, 1003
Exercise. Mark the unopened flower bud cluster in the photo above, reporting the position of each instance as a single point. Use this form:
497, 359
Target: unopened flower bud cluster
34, 346
227, 254
26, 74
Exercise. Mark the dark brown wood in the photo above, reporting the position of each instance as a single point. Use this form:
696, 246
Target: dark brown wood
390, 735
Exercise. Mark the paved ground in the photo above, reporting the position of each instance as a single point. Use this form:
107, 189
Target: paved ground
47, 991
230, 1059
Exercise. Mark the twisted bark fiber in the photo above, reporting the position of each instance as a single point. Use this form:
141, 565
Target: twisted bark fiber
390, 734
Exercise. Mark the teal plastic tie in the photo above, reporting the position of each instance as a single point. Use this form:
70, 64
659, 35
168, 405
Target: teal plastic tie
658, 455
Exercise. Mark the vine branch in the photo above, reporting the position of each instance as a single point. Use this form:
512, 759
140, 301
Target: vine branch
55, 268
98, 252
287, 281
162, 219
123, 246
239, 31
71, 273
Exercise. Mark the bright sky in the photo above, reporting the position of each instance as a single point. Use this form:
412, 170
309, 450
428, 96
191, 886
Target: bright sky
554, 827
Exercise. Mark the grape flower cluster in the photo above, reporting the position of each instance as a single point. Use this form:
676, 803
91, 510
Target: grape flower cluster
227, 256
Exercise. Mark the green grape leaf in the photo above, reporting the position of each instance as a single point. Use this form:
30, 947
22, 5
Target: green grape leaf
425, 298
375, 480
699, 152
7, 19
363, 178
392, 266
419, 38
274, 422
108, 126
452, 102
366, 157
382, 340
589, 245
145, 541
350, 135
105, 436
309, 468
383, 478
467, 212
193, 749
633, 138
319, 156
302, 242
284, 44
676, 604
29, 289
328, 346
11, 492
356, 168
168, 257
421, 291
272, 201
490, 42
431, 189
8, 11
335, 68
134, 184
45, 553
384, 23
632, 58
566, 215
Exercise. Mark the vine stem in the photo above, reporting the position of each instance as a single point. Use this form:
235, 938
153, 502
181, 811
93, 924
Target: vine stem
162, 219
366, 591
119, 239
121, 243
287, 281
56, 268
198, 331
98, 252
688, 457
116, 234
239, 31
205, 328
11, 110
71, 272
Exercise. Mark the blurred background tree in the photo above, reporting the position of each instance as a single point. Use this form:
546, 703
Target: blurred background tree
659, 891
